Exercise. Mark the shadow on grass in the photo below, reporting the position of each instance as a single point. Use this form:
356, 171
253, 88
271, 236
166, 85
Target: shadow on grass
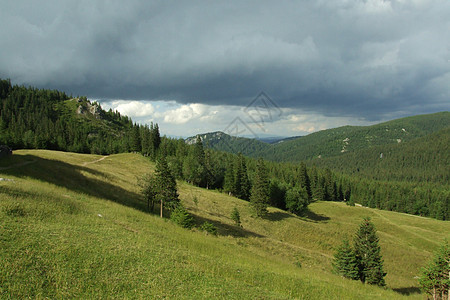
311, 216
408, 290
225, 229
71, 177
277, 216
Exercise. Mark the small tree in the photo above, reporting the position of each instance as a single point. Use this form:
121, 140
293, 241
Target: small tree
435, 277
182, 217
259, 197
236, 217
209, 227
368, 254
345, 262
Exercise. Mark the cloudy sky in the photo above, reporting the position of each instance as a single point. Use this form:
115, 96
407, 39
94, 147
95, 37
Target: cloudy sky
200, 66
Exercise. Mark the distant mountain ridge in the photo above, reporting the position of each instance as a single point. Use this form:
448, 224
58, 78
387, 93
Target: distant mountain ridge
331, 142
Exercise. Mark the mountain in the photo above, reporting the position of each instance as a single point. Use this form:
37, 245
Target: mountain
424, 159
75, 225
332, 142
338, 141
224, 142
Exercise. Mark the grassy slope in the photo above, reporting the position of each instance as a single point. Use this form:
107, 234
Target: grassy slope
72, 225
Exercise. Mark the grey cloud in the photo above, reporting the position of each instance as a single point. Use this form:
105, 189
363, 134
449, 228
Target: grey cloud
350, 58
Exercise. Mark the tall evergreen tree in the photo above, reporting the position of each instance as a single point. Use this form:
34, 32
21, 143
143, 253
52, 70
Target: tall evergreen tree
149, 189
229, 180
241, 181
166, 186
303, 179
345, 262
368, 254
135, 142
194, 168
259, 197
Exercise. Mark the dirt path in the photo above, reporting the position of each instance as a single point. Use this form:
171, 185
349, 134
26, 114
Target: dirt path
94, 161
18, 165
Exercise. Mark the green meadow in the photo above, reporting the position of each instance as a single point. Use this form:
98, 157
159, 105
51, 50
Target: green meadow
76, 226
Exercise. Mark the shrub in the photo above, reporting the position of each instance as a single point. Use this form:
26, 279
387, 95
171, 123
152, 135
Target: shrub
182, 217
210, 228
236, 217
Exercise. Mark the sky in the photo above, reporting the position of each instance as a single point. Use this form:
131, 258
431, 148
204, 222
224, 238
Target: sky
252, 68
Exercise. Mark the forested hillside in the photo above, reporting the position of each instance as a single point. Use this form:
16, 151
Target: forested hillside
49, 119
332, 142
400, 165
224, 142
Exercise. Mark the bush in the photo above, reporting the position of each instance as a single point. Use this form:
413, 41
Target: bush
182, 217
210, 228
236, 217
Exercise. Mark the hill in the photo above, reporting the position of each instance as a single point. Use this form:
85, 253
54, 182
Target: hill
333, 142
74, 225
224, 142
338, 141
424, 159
48, 119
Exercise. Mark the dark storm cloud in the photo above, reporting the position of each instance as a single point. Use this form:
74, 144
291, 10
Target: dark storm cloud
369, 59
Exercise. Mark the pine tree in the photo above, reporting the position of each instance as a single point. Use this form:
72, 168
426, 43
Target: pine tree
135, 142
435, 277
149, 187
345, 262
368, 254
166, 186
303, 179
229, 181
241, 182
259, 197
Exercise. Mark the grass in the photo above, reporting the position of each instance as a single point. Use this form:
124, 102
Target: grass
75, 226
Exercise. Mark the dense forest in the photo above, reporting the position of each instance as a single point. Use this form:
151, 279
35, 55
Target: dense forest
33, 118
45, 119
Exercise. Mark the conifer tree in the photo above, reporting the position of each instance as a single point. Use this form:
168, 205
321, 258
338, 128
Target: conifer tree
229, 181
149, 189
435, 277
241, 182
194, 168
345, 262
368, 254
303, 179
135, 142
259, 197
166, 186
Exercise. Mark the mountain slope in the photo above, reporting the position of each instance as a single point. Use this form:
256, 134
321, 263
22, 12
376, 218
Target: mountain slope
337, 141
332, 142
424, 159
223, 142
74, 225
